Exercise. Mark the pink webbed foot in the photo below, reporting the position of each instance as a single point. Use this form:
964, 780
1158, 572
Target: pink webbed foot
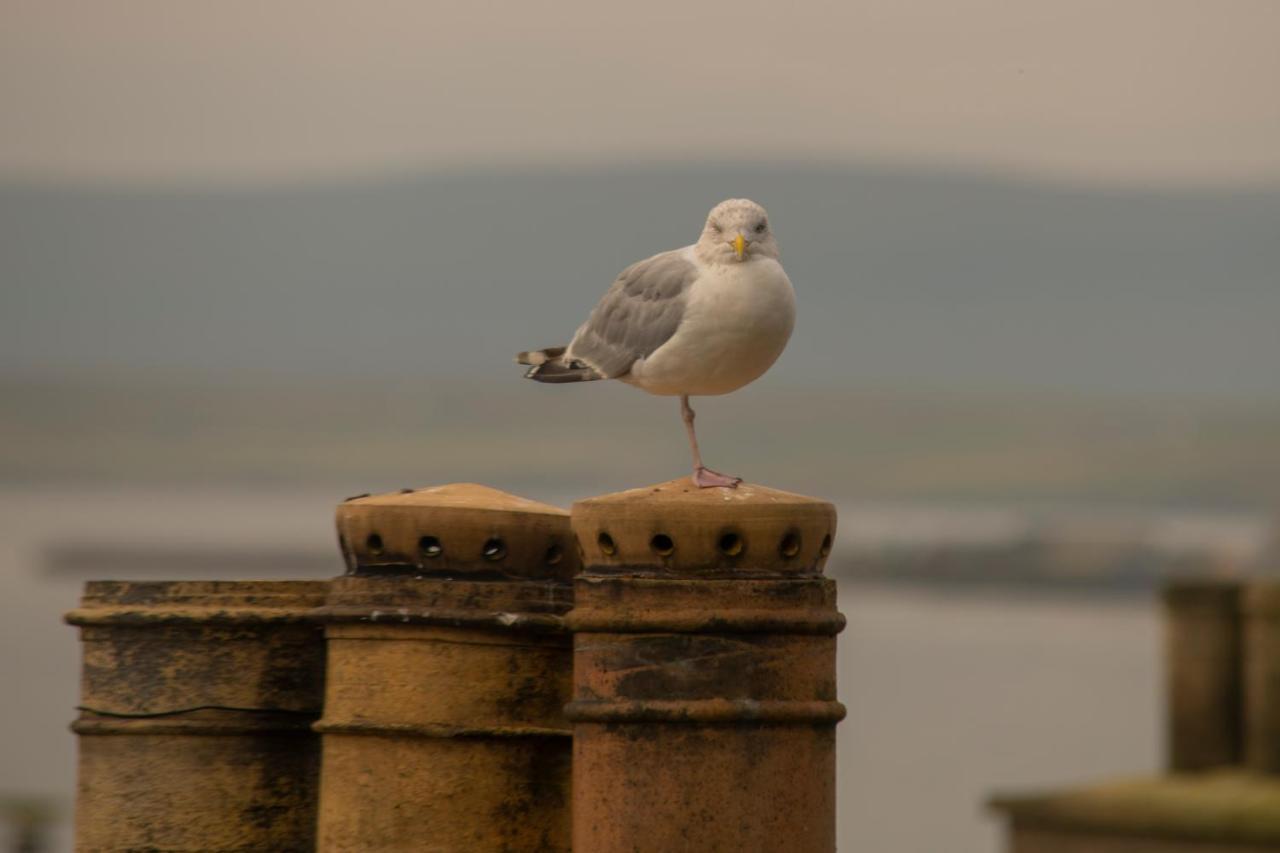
705, 478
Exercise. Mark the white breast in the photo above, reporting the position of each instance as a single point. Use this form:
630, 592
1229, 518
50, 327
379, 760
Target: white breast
737, 320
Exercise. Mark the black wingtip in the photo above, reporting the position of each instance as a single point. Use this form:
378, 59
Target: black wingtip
549, 365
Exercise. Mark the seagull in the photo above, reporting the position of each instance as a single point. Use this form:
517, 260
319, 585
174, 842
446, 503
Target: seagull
702, 320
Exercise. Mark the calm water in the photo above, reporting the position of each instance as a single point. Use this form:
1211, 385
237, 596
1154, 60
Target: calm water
950, 696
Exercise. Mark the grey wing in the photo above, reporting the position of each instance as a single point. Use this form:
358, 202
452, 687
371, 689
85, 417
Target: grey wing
640, 313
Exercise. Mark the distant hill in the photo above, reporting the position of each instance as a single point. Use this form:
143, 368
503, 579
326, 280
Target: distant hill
917, 280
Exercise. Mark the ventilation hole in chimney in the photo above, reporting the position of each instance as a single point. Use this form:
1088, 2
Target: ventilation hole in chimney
790, 545
662, 545
374, 543
605, 541
826, 546
730, 544
430, 547
494, 549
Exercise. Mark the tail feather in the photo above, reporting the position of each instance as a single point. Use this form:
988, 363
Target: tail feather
539, 356
550, 365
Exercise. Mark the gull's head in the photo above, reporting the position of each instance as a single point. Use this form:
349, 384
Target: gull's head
737, 230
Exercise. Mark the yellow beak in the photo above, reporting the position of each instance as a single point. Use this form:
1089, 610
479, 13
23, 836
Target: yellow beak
740, 245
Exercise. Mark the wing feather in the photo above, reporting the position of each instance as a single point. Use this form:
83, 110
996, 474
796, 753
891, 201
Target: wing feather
639, 313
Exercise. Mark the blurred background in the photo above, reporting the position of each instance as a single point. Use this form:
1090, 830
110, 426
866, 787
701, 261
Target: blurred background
257, 257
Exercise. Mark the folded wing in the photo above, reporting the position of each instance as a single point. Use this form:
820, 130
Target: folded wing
640, 312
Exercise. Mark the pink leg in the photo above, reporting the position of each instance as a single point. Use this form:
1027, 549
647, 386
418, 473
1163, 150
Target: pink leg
703, 477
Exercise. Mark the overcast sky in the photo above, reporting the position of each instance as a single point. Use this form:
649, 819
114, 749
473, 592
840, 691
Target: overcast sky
155, 91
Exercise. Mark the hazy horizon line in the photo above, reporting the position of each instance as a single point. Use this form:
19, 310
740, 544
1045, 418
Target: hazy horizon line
558, 167
215, 380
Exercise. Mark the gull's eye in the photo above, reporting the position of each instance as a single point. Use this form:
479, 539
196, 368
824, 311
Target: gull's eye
760, 226
715, 226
